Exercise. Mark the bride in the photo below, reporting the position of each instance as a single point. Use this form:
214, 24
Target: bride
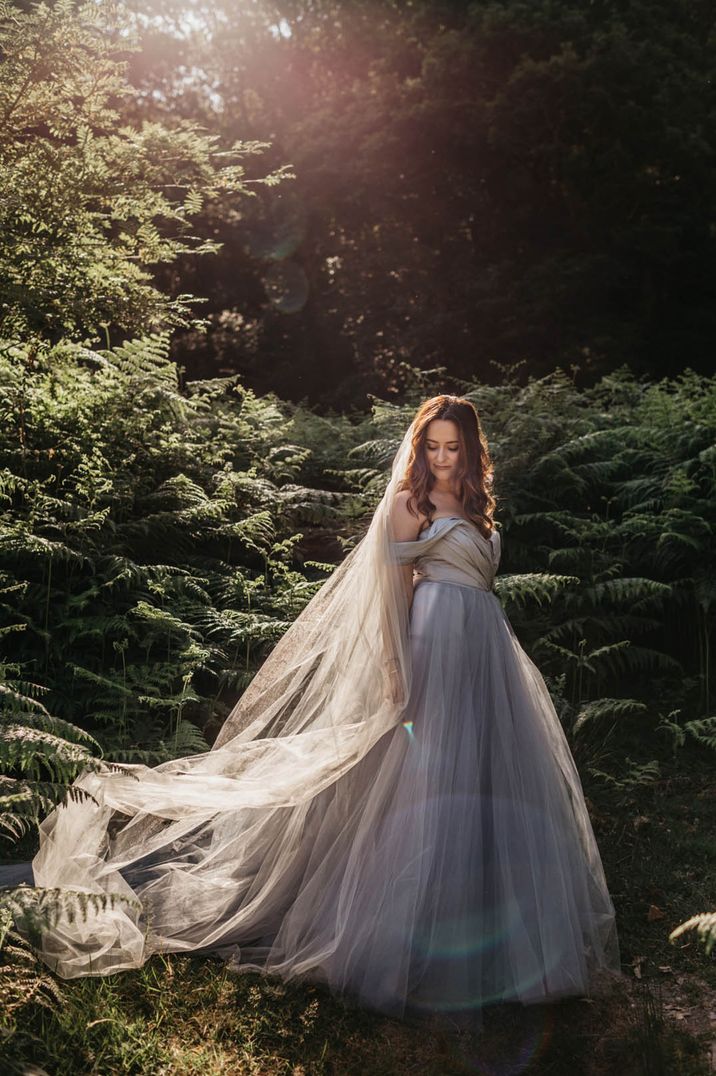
391, 808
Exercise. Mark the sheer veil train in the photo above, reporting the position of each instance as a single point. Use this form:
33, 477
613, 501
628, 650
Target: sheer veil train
205, 842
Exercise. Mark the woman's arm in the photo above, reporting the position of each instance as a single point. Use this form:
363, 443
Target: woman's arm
405, 527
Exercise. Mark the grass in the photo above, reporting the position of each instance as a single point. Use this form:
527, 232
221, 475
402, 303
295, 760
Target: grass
189, 1014
186, 1015
659, 854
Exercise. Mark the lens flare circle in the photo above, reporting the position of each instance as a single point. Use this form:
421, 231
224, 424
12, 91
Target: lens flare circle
279, 233
479, 938
520, 1050
286, 286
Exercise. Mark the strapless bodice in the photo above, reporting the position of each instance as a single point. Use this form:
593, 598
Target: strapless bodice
452, 550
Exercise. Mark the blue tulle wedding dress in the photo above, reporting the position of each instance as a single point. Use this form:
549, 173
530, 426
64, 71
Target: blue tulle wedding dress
453, 866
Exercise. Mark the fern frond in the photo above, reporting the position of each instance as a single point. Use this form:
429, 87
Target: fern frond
644, 658
600, 708
638, 774
120, 571
113, 683
320, 566
703, 730
162, 620
24, 980
635, 591
29, 749
535, 586
704, 924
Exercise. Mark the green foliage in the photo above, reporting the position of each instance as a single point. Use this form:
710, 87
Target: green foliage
24, 913
149, 534
520, 589
25, 983
569, 464
89, 203
599, 709
40, 755
30, 909
704, 924
702, 730
636, 775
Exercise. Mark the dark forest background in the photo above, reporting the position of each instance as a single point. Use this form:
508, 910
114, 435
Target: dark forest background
475, 185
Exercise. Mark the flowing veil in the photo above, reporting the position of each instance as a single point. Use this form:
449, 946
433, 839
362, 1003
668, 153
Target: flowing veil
206, 846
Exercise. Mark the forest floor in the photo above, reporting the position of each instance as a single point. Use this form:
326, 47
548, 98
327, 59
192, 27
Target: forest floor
188, 1015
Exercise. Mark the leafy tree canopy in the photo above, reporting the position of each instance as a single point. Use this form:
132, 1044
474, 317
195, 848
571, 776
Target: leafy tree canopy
89, 203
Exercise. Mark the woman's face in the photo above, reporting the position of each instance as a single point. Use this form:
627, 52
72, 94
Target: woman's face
442, 448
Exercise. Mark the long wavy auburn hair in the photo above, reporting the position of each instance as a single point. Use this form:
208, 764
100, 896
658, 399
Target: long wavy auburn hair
475, 469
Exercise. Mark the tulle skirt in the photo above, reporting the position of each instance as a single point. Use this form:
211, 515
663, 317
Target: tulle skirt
454, 865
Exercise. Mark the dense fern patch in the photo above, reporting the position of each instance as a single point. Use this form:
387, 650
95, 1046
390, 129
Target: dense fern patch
158, 537
151, 550
148, 540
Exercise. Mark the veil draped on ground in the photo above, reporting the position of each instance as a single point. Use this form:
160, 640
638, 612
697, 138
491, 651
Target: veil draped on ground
206, 845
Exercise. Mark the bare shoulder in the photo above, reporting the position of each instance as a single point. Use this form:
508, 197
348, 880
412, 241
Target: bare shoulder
406, 526
400, 500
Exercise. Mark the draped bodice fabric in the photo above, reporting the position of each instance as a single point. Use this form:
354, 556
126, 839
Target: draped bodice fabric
452, 550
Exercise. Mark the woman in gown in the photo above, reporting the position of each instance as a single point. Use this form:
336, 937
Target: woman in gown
391, 808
